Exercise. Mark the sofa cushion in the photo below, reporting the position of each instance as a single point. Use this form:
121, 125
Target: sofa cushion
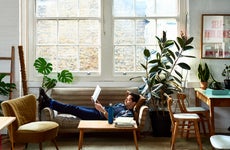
67, 120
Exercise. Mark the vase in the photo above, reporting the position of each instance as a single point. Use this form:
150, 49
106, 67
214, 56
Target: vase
203, 85
161, 123
227, 83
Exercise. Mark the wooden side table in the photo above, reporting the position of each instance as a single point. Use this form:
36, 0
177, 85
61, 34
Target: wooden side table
212, 101
7, 121
103, 125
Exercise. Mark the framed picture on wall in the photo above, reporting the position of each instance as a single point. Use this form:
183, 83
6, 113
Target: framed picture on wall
215, 36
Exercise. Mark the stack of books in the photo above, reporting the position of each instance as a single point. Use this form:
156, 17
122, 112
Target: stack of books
124, 122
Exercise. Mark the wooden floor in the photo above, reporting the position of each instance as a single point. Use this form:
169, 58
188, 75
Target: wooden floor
108, 141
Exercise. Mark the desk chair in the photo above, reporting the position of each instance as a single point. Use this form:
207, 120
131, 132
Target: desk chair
184, 123
203, 113
220, 142
25, 129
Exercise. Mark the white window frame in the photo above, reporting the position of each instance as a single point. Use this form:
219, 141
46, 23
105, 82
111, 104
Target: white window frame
107, 74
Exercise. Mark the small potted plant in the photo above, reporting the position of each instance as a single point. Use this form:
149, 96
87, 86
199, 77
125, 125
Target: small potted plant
203, 75
226, 74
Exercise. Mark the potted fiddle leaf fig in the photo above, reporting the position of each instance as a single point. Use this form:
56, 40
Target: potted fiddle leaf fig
226, 74
163, 75
45, 68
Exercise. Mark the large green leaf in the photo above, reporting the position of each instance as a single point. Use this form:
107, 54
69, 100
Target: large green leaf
65, 76
48, 83
188, 47
6, 88
189, 41
184, 66
42, 66
146, 53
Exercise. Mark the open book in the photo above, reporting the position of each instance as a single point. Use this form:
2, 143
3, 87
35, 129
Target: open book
96, 93
124, 122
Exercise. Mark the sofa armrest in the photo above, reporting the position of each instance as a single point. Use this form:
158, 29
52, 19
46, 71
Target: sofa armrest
47, 114
142, 116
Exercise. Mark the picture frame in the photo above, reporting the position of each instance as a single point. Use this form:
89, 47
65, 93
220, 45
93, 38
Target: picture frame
215, 36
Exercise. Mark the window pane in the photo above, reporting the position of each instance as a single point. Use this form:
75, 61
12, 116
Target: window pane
168, 25
68, 58
122, 8
145, 29
46, 32
89, 32
139, 58
46, 8
67, 8
49, 53
124, 32
166, 7
89, 58
89, 8
145, 8
124, 58
67, 33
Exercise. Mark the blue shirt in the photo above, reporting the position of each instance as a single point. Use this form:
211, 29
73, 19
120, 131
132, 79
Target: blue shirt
120, 110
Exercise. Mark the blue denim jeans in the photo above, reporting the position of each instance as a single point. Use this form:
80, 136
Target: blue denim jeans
85, 113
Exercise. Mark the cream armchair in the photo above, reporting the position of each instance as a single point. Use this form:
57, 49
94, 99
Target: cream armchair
25, 129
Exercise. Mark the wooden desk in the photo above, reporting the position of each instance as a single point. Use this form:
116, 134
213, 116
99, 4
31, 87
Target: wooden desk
212, 101
102, 125
7, 121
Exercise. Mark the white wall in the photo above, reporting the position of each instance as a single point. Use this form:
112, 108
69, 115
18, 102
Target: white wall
196, 9
9, 36
9, 32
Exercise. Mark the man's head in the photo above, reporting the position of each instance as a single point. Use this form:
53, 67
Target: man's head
131, 100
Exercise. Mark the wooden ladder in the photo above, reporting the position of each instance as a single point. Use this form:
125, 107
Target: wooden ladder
11, 70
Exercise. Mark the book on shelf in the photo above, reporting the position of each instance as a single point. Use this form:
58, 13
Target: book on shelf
124, 122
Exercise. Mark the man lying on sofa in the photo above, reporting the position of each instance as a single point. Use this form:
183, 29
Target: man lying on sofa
99, 112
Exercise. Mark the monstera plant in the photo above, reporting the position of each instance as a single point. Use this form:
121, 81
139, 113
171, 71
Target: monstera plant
5, 88
45, 68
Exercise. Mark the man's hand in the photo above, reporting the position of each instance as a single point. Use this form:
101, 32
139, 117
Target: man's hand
99, 107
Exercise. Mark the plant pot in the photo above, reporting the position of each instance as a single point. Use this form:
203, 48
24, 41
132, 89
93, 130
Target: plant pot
203, 85
161, 123
227, 83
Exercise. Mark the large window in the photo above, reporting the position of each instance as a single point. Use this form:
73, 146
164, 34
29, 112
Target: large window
99, 40
68, 33
136, 22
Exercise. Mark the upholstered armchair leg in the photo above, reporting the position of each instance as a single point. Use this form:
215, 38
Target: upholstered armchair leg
26, 145
55, 143
40, 146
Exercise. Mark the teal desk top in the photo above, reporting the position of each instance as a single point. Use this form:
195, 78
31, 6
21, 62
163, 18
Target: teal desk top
210, 93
